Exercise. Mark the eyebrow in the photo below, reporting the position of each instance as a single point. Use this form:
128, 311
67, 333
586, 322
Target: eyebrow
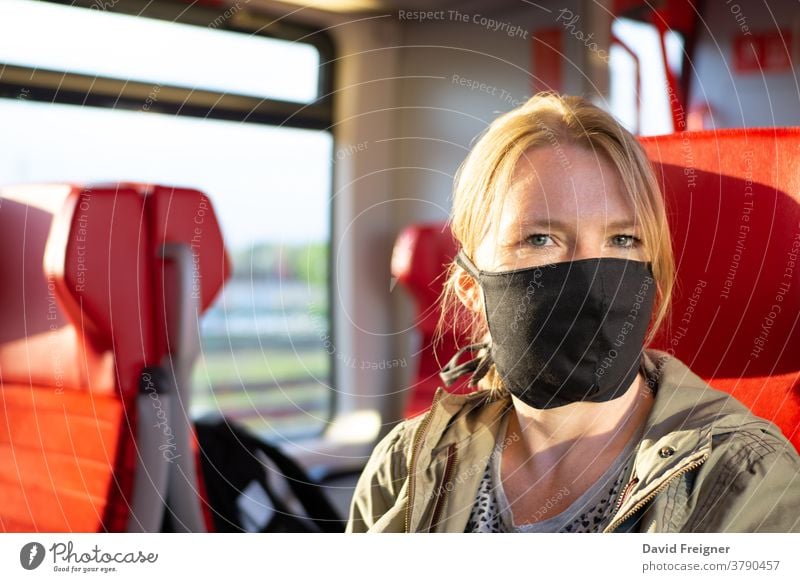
540, 223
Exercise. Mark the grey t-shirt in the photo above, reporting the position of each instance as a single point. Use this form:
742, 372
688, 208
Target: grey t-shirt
590, 512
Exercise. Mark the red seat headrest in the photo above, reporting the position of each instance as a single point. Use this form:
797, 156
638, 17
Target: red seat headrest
420, 256
103, 255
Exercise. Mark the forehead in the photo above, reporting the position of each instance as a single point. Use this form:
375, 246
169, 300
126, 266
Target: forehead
567, 184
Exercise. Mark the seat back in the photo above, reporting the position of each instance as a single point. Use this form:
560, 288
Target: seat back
733, 199
63, 432
420, 256
119, 272
194, 266
733, 202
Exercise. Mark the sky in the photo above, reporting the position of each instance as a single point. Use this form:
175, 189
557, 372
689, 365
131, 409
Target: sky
266, 183
65, 38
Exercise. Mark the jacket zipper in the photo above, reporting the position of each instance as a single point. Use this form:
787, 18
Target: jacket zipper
443, 487
617, 522
412, 461
625, 492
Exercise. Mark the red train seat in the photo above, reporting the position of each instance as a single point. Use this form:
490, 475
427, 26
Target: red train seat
420, 255
733, 200
86, 362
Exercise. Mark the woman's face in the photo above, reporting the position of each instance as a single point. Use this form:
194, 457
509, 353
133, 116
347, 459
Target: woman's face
564, 204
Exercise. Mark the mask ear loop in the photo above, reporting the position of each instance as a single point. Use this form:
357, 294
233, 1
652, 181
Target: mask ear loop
463, 261
479, 365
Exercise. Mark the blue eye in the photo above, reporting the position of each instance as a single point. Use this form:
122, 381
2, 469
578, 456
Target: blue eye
538, 240
626, 240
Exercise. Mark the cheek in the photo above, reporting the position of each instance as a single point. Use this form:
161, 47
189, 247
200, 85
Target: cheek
487, 254
642, 254
630, 254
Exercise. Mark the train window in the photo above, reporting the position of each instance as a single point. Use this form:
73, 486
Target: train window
105, 44
266, 168
652, 115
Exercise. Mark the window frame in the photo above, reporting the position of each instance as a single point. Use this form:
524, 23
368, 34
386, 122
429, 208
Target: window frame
88, 90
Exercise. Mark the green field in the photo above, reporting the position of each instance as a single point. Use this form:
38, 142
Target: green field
246, 366
270, 391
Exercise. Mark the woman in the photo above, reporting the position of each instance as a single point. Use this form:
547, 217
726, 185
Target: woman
565, 274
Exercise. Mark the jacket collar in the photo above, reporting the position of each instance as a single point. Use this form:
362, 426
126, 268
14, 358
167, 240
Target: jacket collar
684, 403
686, 415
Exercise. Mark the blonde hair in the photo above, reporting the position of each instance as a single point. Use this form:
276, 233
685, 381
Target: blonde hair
485, 176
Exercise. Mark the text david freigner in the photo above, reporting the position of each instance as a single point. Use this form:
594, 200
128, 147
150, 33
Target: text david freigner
685, 549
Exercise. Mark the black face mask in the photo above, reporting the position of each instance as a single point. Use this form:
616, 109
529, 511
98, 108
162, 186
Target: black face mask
563, 332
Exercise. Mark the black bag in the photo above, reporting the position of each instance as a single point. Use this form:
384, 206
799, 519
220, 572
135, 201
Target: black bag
251, 486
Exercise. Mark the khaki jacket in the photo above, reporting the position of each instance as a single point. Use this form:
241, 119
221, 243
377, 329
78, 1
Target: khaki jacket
705, 464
